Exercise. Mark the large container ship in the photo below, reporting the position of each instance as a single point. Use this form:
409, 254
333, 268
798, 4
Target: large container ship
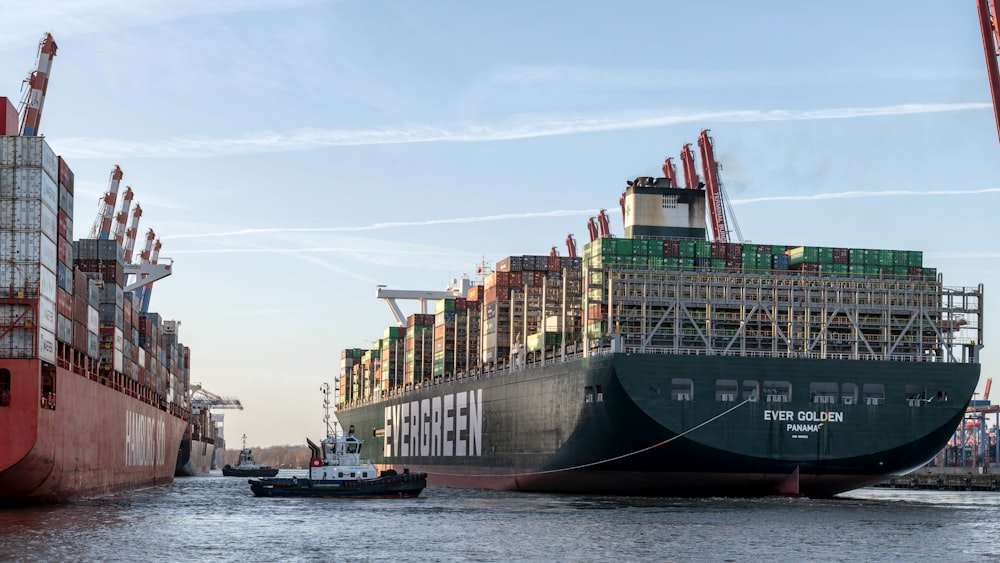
669, 362
197, 451
92, 387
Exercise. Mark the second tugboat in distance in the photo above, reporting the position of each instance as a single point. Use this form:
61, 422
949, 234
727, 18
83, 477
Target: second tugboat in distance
247, 467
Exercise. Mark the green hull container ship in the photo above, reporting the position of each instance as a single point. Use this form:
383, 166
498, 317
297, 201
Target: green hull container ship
678, 366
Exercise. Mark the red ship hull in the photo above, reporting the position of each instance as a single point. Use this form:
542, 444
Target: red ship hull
86, 438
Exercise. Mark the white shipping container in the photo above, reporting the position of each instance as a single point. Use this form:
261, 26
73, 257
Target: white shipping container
29, 183
28, 215
142, 357
46, 346
29, 151
29, 247
93, 320
119, 339
46, 283
64, 329
118, 360
47, 314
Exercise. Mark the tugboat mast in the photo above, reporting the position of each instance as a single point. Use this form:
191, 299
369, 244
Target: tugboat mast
331, 431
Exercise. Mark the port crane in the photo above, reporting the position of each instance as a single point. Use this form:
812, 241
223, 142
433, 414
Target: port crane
121, 218
129, 243
106, 211
991, 40
36, 85
204, 399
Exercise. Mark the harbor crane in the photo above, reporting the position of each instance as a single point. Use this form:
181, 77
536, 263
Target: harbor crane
129, 242
121, 218
35, 87
691, 180
106, 211
204, 399
670, 172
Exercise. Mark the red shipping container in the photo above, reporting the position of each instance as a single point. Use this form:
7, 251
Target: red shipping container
61, 247
63, 219
80, 336
80, 311
65, 176
64, 303
9, 122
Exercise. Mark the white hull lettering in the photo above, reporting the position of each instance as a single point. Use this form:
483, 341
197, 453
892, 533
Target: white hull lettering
804, 416
443, 426
145, 440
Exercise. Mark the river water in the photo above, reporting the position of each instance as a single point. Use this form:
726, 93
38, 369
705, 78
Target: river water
215, 518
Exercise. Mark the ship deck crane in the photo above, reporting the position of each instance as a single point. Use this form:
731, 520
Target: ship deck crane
129, 242
570, 246
592, 229
670, 171
991, 40
715, 193
604, 224
37, 84
691, 180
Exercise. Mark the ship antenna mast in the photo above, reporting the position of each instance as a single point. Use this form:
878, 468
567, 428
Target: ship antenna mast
330, 430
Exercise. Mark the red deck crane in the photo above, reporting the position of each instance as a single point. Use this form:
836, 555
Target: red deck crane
713, 191
604, 224
691, 180
570, 246
670, 172
37, 83
991, 40
592, 229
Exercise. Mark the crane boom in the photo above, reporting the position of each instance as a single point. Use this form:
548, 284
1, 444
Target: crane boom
122, 217
571, 245
37, 84
204, 399
991, 40
129, 243
691, 180
106, 211
670, 171
710, 170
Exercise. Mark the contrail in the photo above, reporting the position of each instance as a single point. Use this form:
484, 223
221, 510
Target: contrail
390, 225
518, 127
856, 194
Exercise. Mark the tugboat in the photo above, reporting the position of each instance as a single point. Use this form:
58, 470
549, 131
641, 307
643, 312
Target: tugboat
337, 470
247, 467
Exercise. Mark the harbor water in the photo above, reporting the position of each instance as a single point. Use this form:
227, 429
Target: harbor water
216, 518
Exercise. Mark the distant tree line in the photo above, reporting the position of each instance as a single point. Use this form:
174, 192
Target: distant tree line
285, 457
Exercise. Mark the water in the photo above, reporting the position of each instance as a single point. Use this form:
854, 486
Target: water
215, 518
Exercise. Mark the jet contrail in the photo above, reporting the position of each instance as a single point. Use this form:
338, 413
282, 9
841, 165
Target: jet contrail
518, 127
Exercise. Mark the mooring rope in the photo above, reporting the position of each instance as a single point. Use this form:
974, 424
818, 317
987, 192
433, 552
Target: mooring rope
616, 458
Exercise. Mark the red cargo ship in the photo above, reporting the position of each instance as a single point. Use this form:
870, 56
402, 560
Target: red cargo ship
93, 389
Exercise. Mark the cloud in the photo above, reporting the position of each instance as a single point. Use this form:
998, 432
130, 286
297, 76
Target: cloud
518, 127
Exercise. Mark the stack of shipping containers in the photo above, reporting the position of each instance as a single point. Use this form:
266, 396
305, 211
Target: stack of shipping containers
523, 305
392, 354
29, 205
63, 301
419, 349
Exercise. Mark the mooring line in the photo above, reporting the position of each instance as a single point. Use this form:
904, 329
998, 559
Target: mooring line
616, 458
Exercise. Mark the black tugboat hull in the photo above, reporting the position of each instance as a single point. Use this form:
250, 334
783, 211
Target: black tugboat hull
408, 485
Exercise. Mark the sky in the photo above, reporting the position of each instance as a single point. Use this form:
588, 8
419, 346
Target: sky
292, 155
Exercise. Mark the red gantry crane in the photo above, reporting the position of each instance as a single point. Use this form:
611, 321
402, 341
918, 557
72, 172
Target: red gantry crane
570, 246
670, 172
36, 85
991, 40
691, 180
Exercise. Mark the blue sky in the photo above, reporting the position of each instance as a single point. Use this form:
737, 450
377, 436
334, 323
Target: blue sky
293, 154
